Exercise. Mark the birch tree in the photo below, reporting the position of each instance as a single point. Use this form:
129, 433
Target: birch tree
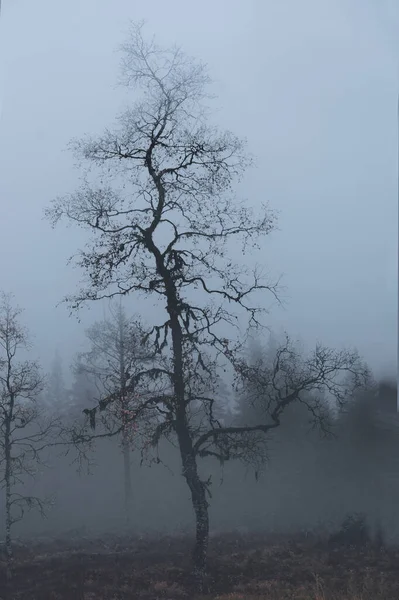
158, 197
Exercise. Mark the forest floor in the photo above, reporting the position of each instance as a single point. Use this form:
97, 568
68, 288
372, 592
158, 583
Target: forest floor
241, 567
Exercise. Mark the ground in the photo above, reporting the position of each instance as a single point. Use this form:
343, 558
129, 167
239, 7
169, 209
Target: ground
252, 566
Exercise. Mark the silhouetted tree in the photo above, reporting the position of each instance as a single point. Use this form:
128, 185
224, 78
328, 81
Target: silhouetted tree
116, 356
166, 232
24, 431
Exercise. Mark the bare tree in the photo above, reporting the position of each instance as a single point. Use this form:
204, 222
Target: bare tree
321, 380
116, 356
24, 431
164, 220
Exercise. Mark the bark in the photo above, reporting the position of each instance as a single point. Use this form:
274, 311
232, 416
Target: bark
7, 478
187, 452
200, 505
182, 427
127, 479
124, 404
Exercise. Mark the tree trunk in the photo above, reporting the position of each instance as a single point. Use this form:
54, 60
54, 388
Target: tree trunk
7, 478
200, 505
200, 552
9, 553
125, 419
184, 435
127, 478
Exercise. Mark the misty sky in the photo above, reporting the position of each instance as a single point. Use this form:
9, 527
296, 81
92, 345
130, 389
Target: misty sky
313, 86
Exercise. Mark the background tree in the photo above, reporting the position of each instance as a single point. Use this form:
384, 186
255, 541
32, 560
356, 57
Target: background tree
169, 231
56, 394
82, 393
24, 431
116, 357
365, 459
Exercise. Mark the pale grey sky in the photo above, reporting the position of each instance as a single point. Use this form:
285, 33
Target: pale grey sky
313, 86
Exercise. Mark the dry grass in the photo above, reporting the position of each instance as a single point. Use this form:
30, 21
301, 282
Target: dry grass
240, 567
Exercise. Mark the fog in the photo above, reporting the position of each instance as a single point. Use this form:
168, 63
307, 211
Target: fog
312, 85
309, 484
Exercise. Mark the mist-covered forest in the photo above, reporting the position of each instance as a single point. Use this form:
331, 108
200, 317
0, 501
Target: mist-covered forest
186, 446
309, 481
307, 478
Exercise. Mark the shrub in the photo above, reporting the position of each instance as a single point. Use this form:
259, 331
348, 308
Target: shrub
354, 532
